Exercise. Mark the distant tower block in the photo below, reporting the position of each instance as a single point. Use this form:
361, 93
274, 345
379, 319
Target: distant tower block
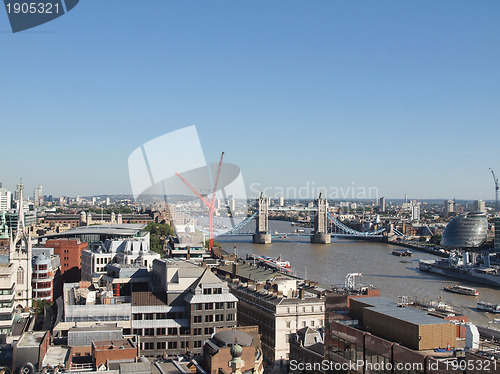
321, 235
262, 235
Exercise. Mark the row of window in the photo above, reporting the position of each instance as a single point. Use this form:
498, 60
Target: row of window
161, 331
212, 318
156, 316
40, 267
38, 295
304, 309
40, 276
169, 345
38, 285
212, 291
304, 323
8, 291
6, 304
211, 306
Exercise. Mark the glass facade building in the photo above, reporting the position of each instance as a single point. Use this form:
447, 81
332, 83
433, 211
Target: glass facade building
465, 231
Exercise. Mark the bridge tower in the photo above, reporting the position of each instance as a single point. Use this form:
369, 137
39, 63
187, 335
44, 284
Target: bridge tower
320, 234
262, 235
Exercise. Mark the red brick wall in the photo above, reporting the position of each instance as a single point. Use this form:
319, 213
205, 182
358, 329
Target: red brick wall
70, 253
101, 356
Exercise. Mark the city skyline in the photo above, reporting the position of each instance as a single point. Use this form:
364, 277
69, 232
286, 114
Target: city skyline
397, 96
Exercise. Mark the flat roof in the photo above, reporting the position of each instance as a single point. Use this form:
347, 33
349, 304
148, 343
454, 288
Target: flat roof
31, 339
258, 274
113, 344
124, 229
95, 328
408, 314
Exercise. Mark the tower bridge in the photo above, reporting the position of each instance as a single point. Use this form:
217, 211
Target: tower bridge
326, 225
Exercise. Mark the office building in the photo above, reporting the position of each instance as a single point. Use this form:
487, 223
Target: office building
465, 231
5, 200
46, 277
70, 255
415, 212
381, 204
279, 307
449, 207
38, 196
118, 251
480, 206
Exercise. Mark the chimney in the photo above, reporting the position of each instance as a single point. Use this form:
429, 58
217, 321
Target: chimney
301, 294
235, 269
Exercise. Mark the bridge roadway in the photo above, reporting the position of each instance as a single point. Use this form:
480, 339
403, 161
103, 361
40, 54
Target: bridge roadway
285, 235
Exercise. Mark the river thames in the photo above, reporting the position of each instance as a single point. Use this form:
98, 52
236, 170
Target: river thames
329, 264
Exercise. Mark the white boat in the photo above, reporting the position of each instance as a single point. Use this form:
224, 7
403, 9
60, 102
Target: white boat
488, 307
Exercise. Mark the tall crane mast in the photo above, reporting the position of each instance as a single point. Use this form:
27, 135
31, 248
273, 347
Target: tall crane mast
209, 203
495, 179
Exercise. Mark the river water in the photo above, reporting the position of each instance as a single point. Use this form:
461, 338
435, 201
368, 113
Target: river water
329, 263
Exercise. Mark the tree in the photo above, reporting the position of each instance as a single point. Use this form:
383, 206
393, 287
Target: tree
158, 232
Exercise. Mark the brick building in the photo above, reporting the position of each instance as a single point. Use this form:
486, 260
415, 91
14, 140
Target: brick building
70, 253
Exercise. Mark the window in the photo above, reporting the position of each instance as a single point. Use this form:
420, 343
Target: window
303, 309
184, 344
160, 331
197, 331
288, 324
219, 305
148, 315
219, 317
137, 332
231, 304
312, 309
160, 345
217, 291
287, 310
230, 317
149, 345
312, 323
197, 343
197, 307
209, 318
172, 345
149, 332
137, 317
20, 275
321, 322
208, 330
303, 323
172, 331
196, 319
160, 315
209, 306
207, 291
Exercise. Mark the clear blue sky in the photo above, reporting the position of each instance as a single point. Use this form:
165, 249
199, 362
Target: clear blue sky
399, 95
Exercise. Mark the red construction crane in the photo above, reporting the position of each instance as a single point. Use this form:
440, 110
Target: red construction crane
209, 203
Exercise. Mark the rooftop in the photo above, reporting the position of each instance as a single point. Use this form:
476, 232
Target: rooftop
113, 344
226, 338
408, 314
249, 271
31, 339
125, 229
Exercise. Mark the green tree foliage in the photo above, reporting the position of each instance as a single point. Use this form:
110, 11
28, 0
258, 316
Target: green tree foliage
436, 239
215, 244
158, 232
